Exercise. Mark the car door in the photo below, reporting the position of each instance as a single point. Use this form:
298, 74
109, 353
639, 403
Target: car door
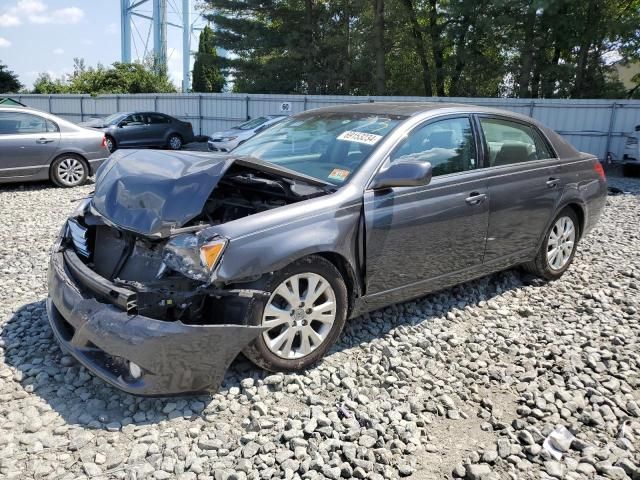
28, 143
158, 128
132, 131
525, 184
417, 236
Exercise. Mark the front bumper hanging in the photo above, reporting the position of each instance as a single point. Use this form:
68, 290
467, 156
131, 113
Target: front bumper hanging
88, 315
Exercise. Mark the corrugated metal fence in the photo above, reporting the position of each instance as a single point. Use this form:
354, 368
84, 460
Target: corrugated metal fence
595, 126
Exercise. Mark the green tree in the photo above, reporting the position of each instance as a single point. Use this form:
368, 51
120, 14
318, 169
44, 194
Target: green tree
118, 78
45, 84
9, 82
206, 75
520, 48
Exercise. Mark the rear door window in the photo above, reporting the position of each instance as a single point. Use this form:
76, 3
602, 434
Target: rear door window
511, 142
156, 118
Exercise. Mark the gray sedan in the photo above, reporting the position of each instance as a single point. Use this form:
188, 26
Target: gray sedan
35, 145
143, 129
179, 261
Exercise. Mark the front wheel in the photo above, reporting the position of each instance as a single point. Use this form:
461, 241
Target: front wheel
304, 314
174, 142
111, 144
558, 248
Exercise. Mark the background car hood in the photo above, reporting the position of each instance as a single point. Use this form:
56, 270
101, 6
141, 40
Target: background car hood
150, 191
94, 123
231, 133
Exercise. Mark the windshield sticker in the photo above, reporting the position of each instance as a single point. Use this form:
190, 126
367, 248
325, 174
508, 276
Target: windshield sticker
339, 174
360, 137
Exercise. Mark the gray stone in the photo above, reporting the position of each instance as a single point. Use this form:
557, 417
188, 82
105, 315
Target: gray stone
478, 471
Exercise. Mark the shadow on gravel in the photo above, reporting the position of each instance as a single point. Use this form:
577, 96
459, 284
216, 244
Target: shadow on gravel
81, 398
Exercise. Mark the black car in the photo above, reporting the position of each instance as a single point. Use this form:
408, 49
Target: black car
143, 129
180, 260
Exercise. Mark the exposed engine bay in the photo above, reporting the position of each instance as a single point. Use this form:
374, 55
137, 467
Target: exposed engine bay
139, 262
243, 191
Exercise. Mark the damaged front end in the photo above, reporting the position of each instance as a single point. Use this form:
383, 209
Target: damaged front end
133, 291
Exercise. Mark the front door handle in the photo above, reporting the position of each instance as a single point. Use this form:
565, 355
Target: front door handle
475, 198
553, 182
44, 140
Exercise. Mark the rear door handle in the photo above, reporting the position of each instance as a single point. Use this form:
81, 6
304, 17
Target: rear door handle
475, 198
553, 182
45, 140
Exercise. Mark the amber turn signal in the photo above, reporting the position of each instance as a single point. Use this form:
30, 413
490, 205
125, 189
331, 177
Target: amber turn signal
210, 253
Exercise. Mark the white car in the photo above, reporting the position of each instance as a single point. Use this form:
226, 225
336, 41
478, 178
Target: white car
631, 156
230, 139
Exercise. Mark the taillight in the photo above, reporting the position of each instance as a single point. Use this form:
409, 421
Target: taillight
104, 142
599, 170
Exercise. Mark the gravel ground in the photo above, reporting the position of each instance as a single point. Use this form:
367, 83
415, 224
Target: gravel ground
469, 382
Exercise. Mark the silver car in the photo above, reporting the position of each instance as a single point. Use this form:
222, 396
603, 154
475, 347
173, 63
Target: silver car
36, 145
230, 139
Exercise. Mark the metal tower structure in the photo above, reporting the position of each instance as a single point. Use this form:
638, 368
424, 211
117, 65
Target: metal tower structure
138, 24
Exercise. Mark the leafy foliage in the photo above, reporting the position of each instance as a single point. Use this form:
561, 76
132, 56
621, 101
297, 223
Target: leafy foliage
520, 48
206, 75
9, 82
119, 78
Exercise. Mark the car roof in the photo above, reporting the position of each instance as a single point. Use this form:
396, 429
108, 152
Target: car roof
410, 109
19, 109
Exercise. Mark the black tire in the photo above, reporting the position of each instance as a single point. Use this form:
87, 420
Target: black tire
112, 146
69, 170
174, 142
630, 170
258, 351
540, 265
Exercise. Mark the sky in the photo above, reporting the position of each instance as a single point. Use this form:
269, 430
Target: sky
45, 36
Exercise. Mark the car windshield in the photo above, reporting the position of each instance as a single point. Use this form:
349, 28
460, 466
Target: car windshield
327, 146
251, 124
113, 118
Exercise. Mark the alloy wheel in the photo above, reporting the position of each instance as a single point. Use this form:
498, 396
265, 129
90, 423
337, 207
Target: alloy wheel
70, 171
175, 143
562, 238
110, 145
299, 315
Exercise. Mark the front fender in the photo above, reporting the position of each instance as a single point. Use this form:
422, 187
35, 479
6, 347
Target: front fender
270, 249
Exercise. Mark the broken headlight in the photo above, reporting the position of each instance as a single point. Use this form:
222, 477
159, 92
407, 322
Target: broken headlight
192, 256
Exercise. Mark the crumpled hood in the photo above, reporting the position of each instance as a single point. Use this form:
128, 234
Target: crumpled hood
151, 191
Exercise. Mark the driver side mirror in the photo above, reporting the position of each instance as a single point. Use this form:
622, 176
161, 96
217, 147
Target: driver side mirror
403, 174
123, 123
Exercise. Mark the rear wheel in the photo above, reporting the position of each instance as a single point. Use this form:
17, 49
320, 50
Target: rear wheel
69, 170
630, 170
559, 247
174, 142
305, 314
